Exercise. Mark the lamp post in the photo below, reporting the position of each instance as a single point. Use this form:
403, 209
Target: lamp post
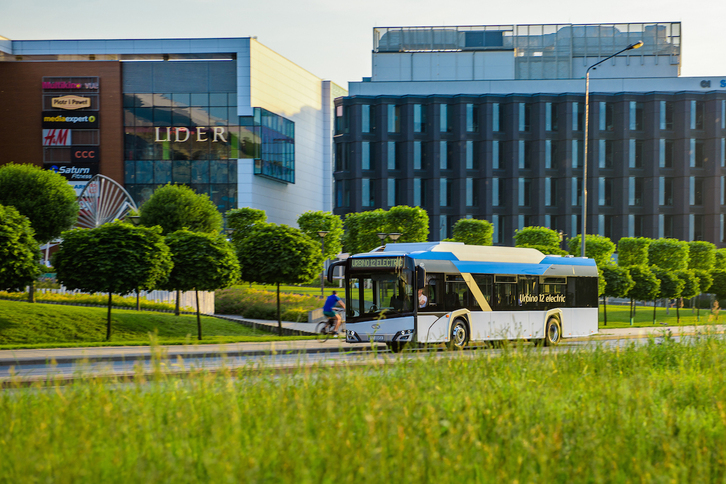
322, 235
393, 236
636, 45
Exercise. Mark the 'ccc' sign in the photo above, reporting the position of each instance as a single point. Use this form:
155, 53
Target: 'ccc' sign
85, 153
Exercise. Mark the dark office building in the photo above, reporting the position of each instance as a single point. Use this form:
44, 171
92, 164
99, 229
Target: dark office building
489, 129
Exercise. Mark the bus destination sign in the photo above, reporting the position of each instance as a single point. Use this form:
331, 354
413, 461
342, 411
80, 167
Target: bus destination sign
378, 263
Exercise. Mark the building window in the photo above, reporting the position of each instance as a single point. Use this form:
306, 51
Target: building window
697, 108
605, 192
665, 159
551, 154
342, 194
696, 190
723, 190
394, 118
636, 116
525, 155
496, 233
495, 192
525, 112
444, 161
342, 114
496, 154
471, 158
365, 155
635, 191
697, 153
445, 118
525, 192
444, 192
392, 158
472, 118
551, 117
550, 192
578, 116
696, 226
472, 194
665, 191
419, 192
576, 191
636, 153
368, 198
606, 116
667, 109
417, 156
366, 117
496, 125
419, 118
576, 153
393, 192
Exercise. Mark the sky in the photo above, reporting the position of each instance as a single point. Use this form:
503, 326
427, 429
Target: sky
334, 39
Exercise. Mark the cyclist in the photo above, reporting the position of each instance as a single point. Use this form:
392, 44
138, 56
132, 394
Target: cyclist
330, 303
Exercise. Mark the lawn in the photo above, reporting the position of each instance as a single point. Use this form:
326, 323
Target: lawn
46, 325
618, 316
653, 413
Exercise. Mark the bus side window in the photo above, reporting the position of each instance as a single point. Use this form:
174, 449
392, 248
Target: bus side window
435, 284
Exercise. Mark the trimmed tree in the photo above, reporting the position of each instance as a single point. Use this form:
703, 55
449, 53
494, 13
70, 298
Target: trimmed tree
202, 262
312, 222
633, 251
411, 222
473, 232
671, 286
543, 239
596, 247
691, 287
361, 230
719, 283
116, 258
668, 254
702, 259
19, 252
177, 207
242, 220
719, 261
617, 284
645, 289
45, 197
278, 254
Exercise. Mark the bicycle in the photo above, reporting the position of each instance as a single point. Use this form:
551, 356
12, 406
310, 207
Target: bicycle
325, 329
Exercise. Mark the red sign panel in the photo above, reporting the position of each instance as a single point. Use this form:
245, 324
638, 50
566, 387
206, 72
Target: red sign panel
56, 137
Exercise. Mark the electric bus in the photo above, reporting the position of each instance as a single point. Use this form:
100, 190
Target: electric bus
452, 293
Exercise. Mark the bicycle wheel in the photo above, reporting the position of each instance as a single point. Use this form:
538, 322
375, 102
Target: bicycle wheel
322, 331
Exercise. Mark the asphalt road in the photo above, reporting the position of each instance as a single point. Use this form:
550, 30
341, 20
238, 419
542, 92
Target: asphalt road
65, 364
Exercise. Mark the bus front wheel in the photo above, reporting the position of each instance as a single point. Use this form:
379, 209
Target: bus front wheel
459, 334
553, 332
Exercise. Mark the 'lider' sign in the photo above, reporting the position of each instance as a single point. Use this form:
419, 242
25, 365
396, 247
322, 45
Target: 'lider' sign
182, 135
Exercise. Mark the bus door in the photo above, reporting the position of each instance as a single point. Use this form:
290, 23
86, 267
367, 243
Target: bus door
530, 318
505, 307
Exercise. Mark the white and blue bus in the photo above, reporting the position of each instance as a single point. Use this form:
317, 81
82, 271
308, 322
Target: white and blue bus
452, 293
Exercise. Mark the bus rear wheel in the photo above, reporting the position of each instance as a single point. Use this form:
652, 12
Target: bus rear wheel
553, 332
459, 335
395, 346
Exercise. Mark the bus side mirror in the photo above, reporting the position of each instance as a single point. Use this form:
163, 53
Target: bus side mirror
420, 277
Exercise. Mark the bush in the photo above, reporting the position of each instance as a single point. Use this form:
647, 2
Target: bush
260, 304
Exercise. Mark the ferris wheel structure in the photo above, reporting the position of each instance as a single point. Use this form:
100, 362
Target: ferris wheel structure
103, 201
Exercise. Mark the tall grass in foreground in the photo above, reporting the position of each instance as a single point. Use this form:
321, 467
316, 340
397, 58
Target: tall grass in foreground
650, 414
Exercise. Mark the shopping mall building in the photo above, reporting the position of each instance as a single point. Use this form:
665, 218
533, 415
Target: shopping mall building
229, 117
488, 122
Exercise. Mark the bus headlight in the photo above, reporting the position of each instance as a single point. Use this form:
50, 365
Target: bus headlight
352, 336
404, 335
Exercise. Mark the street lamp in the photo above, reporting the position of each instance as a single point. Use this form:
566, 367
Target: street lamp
636, 45
322, 235
393, 236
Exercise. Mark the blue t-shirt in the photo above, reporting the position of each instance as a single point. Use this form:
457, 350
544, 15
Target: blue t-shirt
330, 302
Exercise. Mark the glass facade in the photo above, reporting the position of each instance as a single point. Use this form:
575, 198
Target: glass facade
181, 126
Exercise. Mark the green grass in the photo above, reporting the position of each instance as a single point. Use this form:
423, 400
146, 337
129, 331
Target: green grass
46, 325
619, 317
649, 414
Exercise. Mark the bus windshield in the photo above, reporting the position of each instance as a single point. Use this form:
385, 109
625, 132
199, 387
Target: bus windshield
379, 294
